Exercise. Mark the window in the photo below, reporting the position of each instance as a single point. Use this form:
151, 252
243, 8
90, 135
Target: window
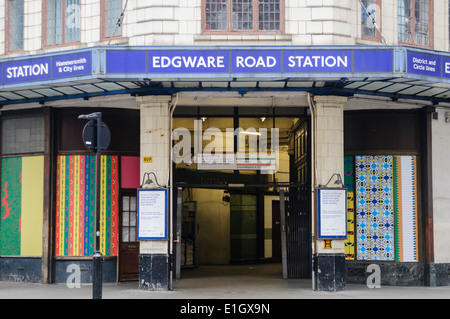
373, 9
62, 21
22, 135
111, 13
129, 219
15, 25
242, 15
415, 22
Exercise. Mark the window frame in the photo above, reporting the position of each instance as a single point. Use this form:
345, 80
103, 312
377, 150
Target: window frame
103, 35
11, 123
63, 36
255, 29
379, 20
129, 213
8, 29
413, 26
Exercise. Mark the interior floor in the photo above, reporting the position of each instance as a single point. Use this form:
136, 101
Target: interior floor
266, 270
227, 281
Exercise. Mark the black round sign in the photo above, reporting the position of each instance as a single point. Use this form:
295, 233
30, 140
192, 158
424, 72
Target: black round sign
90, 136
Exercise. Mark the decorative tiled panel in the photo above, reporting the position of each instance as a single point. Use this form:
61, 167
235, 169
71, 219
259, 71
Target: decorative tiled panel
75, 205
374, 207
349, 181
21, 206
350, 241
405, 197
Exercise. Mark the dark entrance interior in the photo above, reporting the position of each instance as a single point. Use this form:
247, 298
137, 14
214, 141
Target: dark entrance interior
233, 217
276, 231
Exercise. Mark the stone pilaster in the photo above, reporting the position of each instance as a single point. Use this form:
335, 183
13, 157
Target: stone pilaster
329, 154
155, 159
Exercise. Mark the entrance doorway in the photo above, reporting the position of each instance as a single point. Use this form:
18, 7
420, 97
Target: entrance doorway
243, 230
128, 244
237, 211
276, 231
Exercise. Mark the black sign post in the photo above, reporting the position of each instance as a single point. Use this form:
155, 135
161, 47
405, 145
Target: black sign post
96, 138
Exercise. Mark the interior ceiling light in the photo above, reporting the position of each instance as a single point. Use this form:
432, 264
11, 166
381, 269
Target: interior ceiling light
250, 133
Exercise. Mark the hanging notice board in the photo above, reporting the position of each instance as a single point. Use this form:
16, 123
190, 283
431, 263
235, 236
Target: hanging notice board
152, 214
331, 213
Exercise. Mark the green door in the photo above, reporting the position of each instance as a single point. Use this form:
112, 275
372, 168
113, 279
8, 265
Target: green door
243, 228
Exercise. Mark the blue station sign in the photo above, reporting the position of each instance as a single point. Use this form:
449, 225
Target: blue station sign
47, 68
431, 65
255, 61
134, 63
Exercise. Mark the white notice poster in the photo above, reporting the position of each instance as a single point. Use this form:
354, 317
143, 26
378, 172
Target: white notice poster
152, 214
332, 213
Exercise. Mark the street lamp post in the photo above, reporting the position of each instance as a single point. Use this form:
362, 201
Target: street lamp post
96, 138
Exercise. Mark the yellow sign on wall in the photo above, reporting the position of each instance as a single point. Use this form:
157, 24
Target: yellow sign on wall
148, 159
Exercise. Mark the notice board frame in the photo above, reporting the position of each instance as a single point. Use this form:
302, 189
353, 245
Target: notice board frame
157, 212
340, 208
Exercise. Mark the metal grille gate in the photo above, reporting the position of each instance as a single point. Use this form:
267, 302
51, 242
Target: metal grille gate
298, 210
298, 235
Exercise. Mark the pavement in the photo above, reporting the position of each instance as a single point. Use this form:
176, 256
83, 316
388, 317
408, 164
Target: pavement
245, 282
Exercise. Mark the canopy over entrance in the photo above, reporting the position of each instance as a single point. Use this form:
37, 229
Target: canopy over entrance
395, 72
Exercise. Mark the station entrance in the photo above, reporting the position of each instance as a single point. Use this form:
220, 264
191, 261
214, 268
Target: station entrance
243, 215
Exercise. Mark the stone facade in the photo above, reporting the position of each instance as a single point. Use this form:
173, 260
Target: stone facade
179, 22
305, 23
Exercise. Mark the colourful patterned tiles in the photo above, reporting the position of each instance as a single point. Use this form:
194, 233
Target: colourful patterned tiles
349, 182
405, 194
21, 217
385, 207
75, 205
374, 208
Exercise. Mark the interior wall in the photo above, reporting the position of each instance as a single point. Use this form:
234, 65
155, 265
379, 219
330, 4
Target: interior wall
213, 231
268, 224
243, 227
441, 185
